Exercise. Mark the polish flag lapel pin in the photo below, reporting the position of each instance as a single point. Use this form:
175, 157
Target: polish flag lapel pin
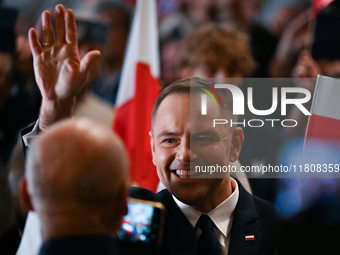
250, 238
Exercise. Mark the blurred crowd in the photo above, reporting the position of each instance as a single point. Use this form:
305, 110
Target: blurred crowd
205, 38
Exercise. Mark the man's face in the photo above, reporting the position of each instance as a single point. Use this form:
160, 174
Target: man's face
180, 142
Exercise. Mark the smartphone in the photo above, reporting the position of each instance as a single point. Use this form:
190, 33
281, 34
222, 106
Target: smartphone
142, 227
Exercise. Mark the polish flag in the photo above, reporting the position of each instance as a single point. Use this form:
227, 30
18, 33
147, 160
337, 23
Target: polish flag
138, 90
324, 121
318, 5
250, 238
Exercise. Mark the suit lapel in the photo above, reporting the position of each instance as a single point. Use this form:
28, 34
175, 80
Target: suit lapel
244, 224
177, 229
172, 208
183, 236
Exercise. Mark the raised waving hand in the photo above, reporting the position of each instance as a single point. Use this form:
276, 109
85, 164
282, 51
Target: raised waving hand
59, 72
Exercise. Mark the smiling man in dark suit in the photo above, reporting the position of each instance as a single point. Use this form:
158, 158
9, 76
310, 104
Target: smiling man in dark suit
181, 139
203, 215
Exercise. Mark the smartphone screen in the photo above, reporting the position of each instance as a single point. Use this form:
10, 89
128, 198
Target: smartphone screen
142, 226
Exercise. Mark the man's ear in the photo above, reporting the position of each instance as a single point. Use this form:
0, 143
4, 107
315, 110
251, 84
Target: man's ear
152, 144
24, 196
236, 144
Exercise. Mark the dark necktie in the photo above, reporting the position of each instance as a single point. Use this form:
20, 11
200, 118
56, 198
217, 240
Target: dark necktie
207, 243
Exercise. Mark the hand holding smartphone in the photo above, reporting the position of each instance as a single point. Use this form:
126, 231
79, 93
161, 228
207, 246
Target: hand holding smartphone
142, 227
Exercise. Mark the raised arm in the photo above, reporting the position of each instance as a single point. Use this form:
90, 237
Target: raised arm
59, 72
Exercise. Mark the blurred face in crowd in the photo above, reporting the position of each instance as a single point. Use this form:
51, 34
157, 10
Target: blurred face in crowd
215, 51
250, 8
181, 141
117, 36
199, 10
169, 73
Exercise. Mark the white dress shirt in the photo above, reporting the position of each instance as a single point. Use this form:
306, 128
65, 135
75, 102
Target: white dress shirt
222, 216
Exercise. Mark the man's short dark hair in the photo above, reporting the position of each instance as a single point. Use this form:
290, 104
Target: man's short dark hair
185, 86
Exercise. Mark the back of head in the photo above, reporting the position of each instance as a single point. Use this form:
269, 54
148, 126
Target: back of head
78, 168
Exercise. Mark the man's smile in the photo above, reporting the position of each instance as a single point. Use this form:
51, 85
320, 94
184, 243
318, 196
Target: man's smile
185, 173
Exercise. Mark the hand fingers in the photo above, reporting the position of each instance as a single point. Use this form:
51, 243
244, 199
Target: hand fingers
34, 42
47, 29
88, 60
71, 28
60, 23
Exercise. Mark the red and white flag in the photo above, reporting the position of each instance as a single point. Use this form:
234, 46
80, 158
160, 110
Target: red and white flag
324, 123
138, 90
318, 5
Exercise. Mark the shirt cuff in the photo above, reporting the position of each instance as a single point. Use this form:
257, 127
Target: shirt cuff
31, 135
